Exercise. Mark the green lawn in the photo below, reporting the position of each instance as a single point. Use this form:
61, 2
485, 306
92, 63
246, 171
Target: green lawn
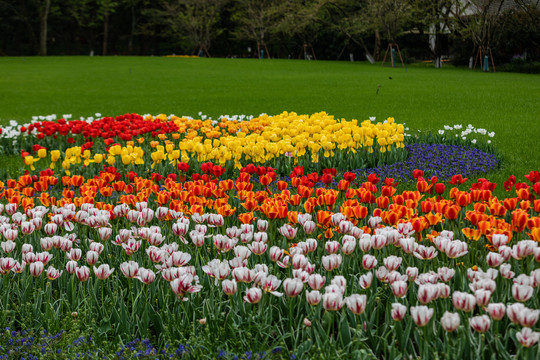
421, 97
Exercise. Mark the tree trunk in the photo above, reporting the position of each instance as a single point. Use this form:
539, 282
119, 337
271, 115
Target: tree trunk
43, 15
132, 34
105, 33
377, 47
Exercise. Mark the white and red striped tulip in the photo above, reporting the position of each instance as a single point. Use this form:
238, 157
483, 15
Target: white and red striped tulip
83, 273
356, 303
366, 280
253, 295
399, 288
421, 315
130, 269
103, 271
333, 301
369, 262
398, 311
527, 337
480, 323
229, 287
313, 297
450, 321
522, 293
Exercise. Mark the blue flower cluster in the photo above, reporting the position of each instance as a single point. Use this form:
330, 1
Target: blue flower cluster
439, 160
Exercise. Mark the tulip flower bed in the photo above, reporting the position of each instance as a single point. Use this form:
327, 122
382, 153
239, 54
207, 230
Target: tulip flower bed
216, 255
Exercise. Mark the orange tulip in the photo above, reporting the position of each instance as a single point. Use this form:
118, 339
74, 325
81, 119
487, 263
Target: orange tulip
397, 199
426, 206
519, 220
463, 199
68, 194
525, 205
388, 191
471, 234
250, 205
324, 218
24, 180
510, 203
533, 223
452, 212
106, 191
535, 234
523, 193
295, 200
282, 185
382, 202
292, 216
246, 218
28, 191
536, 205
484, 227
496, 209
433, 219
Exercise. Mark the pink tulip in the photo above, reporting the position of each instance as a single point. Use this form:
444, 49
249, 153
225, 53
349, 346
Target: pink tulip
445, 274
373, 221
270, 284
11, 234
44, 257
26, 248
260, 237
299, 261
499, 240
301, 275
6, 264
262, 225
412, 273
527, 337
27, 227
97, 247
105, 233
345, 227
398, 311
83, 273
348, 246
480, 323
307, 323
229, 287
505, 252
316, 281
421, 315
356, 303
450, 321
253, 295
103, 271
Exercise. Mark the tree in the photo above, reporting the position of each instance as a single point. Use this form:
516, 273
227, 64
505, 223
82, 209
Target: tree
298, 20
255, 20
105, 9
195, 21
479, 21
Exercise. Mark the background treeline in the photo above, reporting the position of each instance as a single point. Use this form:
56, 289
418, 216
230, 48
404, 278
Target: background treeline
320, 29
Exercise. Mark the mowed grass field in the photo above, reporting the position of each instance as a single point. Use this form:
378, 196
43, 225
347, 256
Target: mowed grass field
421, 97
